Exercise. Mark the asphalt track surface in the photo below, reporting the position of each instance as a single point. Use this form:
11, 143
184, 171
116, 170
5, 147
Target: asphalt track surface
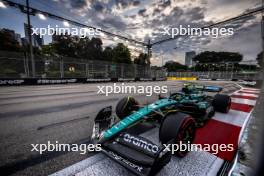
64, 113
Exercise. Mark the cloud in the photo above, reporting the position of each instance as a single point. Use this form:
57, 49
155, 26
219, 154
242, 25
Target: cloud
126, 3
114, 22
136, 3
78, 3
140, 19
165, 4
98, 7
240, 42
141, 12
195, 14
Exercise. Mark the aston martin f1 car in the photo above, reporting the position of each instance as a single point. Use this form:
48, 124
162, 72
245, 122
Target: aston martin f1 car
177, 117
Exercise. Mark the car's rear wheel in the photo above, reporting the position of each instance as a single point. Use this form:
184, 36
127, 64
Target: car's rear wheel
222, 103
126, 106
177, 128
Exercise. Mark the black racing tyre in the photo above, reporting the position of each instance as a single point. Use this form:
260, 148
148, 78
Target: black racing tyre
177, 128
125, 107
222, 103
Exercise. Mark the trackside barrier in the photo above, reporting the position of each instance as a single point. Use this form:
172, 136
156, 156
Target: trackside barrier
219, 75
43, 81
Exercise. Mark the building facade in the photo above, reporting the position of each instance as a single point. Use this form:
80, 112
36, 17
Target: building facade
189, 58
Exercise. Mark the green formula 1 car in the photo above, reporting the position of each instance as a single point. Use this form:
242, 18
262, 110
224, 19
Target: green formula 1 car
177, 117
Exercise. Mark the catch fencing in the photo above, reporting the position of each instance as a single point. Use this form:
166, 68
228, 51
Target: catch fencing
18, 65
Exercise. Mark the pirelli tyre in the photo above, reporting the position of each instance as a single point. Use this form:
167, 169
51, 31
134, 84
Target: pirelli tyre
177, 128
221, 103
125, 106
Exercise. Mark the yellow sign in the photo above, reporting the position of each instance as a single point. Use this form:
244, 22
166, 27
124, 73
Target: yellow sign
181, 78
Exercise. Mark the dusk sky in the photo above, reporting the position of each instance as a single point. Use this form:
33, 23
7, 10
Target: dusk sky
139, 19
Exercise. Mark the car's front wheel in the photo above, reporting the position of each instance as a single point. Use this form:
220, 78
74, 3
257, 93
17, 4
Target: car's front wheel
177, 128
126, 106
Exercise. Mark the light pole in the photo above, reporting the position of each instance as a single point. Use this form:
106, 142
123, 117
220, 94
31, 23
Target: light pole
262, 36
30, 42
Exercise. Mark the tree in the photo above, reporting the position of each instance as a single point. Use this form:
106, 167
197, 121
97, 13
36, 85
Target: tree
48, 50
108, 54
83, 48
8, 42
96, 49
142, 59
173, 66
65, 45
121, 54
216, 57
73, 46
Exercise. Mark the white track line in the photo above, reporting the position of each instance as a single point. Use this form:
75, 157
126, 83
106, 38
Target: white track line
233, 117
244, 101
245, 94
250, 91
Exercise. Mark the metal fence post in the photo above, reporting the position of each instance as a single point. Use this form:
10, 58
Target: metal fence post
135, 70
26, 68
61, 68
86, 70
106, 71
122, 70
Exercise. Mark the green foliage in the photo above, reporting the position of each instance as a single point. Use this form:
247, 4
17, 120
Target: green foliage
69, 46
216, 57
65, 45
121, 54
172, 66
8, 43
108, 54
224, 67
142, 59
48, 50
87, 49
72, 46
10, 68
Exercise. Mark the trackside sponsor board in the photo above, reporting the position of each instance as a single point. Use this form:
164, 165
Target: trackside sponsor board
41, 81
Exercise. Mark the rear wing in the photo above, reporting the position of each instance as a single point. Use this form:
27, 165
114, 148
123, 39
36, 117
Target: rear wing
213, 88
193, 87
